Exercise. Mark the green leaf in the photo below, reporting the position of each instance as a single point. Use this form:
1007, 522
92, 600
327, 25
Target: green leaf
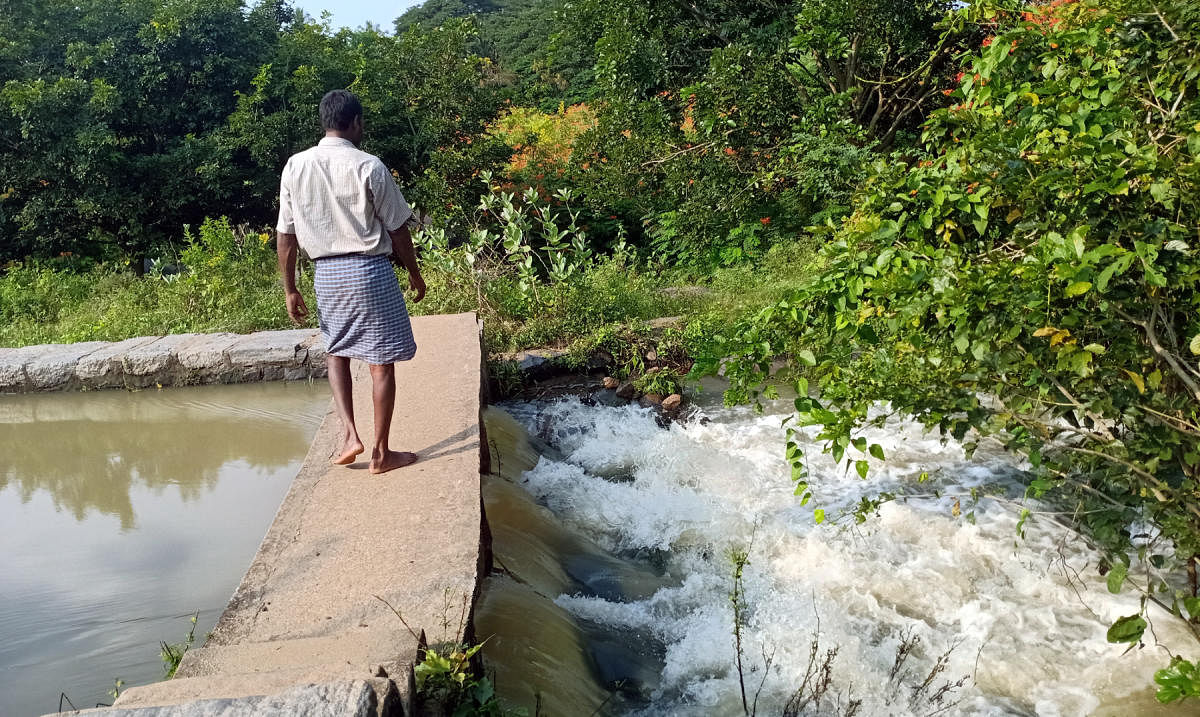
1116, 577
862, 467
877, 451
1127, 629
806, 357
1194, 345
1077, 288
1095, 348
819, 515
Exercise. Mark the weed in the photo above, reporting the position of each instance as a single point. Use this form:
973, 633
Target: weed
445, 677
172, 654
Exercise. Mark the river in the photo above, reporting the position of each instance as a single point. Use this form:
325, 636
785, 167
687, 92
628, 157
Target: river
624, 553
121, 515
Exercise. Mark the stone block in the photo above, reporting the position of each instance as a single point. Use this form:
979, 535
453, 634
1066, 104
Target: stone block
271, 347
316, 350
205, 354
12, 365
351, 698
103, 368
56, 368
152, 362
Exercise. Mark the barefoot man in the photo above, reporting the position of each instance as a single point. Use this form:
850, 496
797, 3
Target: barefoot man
343, 208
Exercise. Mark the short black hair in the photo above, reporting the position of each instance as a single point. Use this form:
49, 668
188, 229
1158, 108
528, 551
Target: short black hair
338, 110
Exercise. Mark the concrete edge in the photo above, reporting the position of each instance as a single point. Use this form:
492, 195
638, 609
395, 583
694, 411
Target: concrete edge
159, 361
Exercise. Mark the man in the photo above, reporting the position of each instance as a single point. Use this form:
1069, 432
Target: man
343, 208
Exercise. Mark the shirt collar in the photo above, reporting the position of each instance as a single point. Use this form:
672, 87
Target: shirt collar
335, 142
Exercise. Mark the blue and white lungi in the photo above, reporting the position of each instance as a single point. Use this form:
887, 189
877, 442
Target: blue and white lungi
361, 309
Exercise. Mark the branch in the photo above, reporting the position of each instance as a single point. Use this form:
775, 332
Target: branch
1152, 337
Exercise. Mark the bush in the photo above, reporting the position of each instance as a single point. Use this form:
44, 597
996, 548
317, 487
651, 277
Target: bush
1032, 276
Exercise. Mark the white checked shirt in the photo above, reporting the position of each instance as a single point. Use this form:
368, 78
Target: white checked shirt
338, 199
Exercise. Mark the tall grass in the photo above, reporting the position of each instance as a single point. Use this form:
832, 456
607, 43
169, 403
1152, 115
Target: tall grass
225, 279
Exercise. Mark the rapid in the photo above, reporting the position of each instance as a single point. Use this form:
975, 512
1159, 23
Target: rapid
613, 581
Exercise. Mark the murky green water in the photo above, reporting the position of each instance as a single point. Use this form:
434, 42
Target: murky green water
121, 514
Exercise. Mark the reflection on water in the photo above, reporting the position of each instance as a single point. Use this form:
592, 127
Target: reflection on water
121, 514
88, 450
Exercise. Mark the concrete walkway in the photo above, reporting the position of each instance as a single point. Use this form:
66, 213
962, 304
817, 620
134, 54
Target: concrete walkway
307, 610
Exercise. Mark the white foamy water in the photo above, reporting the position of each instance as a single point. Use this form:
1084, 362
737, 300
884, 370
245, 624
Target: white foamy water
1023, 620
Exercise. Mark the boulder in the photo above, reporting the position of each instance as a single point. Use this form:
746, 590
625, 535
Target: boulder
672, 403
626, 391
652, 399
611, 383
608, 397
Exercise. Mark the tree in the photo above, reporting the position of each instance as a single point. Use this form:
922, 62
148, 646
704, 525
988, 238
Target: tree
1033, 276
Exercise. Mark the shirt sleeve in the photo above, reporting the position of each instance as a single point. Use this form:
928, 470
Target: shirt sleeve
390, 206
287, 220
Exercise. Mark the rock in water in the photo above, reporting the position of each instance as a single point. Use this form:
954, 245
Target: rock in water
611, 383
626, 391
672, 403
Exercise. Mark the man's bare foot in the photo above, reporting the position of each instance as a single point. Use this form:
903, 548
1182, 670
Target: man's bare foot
350, 451
391, 460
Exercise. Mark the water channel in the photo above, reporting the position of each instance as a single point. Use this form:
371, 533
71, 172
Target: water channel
613, 594
121, 514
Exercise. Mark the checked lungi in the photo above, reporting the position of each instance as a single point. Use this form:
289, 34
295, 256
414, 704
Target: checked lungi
361, 309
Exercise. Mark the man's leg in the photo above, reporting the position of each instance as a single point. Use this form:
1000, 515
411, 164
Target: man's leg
343, 401
383, 392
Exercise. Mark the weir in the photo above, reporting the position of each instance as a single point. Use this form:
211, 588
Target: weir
313, 627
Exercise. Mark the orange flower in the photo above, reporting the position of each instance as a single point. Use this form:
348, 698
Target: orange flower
947, 92
730, 151
765, 221
987, 41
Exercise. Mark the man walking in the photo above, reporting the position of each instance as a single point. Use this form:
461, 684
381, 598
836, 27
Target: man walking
343, 208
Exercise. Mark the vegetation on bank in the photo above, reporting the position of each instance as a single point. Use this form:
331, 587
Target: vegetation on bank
984, 216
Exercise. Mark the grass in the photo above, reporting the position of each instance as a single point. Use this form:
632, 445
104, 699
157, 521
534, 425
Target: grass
230, 283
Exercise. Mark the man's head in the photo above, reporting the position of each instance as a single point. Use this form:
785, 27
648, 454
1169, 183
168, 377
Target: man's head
342, 115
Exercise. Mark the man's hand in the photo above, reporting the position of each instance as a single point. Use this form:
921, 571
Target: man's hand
296, 307
416, 284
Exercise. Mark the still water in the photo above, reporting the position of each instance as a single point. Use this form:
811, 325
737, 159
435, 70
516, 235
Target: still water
121, 514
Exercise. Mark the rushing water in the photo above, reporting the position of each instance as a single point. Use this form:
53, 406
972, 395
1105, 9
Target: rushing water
1021, 621
121, 514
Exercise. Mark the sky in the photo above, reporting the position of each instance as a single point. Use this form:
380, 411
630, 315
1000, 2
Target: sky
355, 13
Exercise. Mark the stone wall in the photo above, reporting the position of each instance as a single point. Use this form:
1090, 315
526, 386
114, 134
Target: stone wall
174, 360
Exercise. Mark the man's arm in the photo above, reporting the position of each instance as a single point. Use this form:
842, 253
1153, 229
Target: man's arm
405, 255
287, 249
